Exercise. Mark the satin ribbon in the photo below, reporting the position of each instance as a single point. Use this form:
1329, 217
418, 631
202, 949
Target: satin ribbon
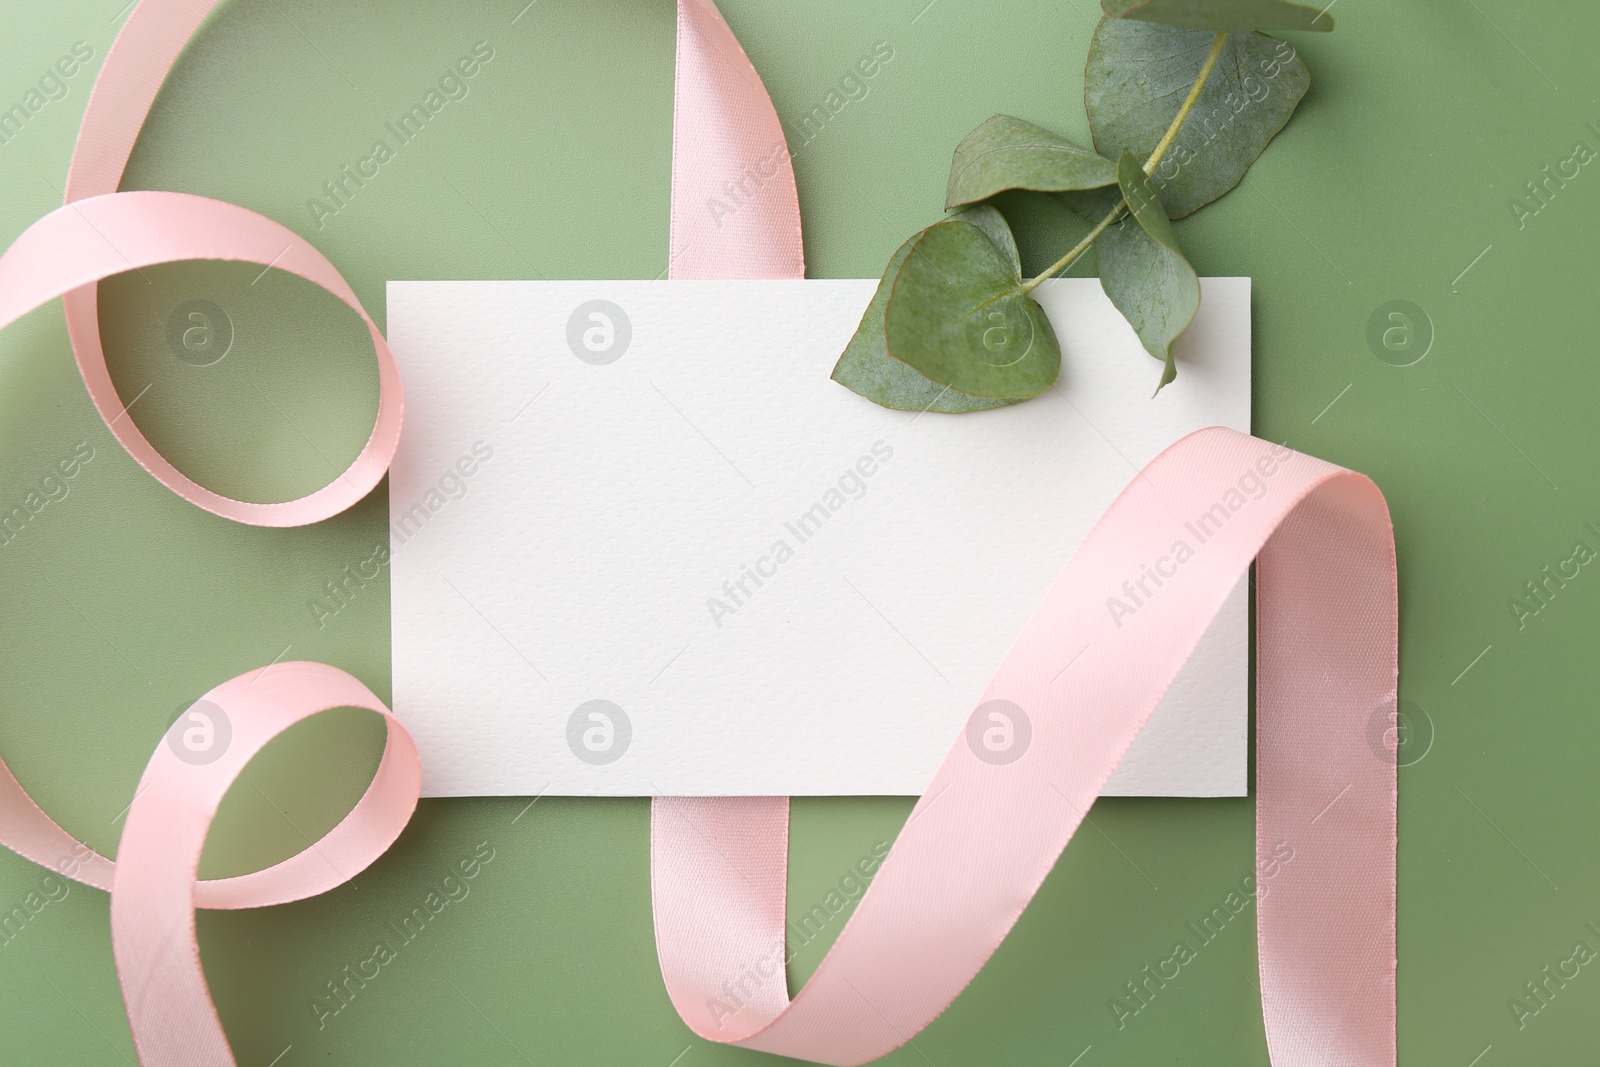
1084, 674
983, 836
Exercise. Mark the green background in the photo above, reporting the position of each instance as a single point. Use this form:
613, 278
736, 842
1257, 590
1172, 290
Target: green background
122, 603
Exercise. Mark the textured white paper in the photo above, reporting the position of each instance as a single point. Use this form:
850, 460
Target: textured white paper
562, 529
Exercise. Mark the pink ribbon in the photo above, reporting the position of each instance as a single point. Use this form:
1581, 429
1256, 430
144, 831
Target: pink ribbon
1078, 685
1085, 678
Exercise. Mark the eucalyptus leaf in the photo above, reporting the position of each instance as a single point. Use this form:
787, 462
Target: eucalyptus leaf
1223, 14
1143, 270
865, 366
1138, 76
1008, 153
959, 315
994, 225
1144, 202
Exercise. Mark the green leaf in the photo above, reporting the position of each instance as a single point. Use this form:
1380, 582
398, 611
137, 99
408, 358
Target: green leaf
1008, 153
994, 225
1143, 270
959, 315
865, 366
1138, 76
1228, 15
1144, 203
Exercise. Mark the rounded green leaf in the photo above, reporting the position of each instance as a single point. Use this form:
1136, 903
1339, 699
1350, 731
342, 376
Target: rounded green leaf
1008, 153
995, 227
1138, 76
1143, 270
865, 366
1228, 15
957, 313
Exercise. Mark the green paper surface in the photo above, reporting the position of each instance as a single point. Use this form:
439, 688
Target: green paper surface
1391, 184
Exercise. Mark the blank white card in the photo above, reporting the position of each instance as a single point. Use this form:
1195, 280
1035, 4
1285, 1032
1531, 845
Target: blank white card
642, 544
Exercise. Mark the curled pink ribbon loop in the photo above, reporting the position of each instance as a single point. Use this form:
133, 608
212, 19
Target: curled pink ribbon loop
65, 253
153, 894
143, 229
1084, 674
154, 885
28, 831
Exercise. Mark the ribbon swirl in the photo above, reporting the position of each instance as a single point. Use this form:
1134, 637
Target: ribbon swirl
982, 838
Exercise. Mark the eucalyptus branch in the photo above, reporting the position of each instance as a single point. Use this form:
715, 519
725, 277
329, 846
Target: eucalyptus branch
954, 296
1149, 167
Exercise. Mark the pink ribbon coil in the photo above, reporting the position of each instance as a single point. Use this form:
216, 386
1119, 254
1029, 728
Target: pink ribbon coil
1082, 678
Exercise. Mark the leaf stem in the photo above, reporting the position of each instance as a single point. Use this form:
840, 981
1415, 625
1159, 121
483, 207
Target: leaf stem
1188, 103
1149, 165
1077, 250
